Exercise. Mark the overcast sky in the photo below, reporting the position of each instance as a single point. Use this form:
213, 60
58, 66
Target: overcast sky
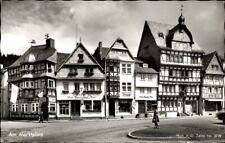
23, 21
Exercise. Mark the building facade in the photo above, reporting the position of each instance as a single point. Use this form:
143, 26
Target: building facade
118, 63
34, 73
172, 52
80, 85
212, 84
146, 88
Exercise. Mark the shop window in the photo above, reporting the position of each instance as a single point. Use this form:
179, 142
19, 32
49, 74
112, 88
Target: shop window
64, 107
14, 107
97, 105
87, 105
124, 105
151, 105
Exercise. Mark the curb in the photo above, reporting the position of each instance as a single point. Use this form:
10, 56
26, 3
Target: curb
155, 138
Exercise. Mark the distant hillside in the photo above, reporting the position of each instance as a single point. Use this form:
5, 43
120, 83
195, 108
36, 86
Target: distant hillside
8, 59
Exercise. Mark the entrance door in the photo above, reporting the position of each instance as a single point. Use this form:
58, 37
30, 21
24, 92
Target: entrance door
112, 107
75, 108
141, 107
180, 106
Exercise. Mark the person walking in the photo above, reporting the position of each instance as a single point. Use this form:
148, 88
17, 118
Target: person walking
41, 117
155, 119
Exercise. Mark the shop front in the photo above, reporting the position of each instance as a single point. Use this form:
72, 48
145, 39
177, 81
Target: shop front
212, 106
83, 105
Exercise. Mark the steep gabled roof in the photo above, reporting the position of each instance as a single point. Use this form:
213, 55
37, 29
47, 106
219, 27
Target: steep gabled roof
103, 51
207, 59
39, 52
167, 31
61, 57
80, 45
119, 40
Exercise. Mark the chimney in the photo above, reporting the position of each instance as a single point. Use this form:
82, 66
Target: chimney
50, 43
100, 44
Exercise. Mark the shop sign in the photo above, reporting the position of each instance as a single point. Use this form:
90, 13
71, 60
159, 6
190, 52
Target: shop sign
125, 95
80, 97
145, 97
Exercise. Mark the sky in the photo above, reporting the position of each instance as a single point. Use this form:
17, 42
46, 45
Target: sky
93, 21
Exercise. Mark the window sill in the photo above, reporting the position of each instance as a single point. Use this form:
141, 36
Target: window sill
97, 111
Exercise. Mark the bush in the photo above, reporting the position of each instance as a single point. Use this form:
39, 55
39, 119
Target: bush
221, 116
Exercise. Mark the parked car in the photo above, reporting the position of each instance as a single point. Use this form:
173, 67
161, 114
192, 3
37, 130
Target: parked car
221, 115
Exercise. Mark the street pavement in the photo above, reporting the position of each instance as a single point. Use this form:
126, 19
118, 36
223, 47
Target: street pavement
101, 131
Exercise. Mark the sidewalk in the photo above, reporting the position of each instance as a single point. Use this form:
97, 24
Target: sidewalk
194, 129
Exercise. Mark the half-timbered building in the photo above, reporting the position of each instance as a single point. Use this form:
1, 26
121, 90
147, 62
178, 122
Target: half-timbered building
118, 63
172, 51
34, 73
212, 84
80, 85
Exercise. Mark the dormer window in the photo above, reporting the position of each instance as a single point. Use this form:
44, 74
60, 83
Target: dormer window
89, 72
80, 56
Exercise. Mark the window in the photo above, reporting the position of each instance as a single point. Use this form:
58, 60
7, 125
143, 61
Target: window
65, 87
123, 68
92, 86
86, 87
73, 71
170, 72
215, 67
24, 107
51, 83
87, 105
126, 86
124, 105
142, 76
49, 68
34, 107
89, 72
149, 90
64, 107
149, 76
52, 107
142, 90
14, 107
97, 105
126, 68
76, 86
129, 68
151, 105
80, 56
98, 86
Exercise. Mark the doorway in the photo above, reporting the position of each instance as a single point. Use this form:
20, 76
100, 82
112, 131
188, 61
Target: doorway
112, 107
180, 106
75, 108
141, 107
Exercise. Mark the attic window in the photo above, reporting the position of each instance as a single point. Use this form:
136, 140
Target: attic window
161, 35
80, 56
